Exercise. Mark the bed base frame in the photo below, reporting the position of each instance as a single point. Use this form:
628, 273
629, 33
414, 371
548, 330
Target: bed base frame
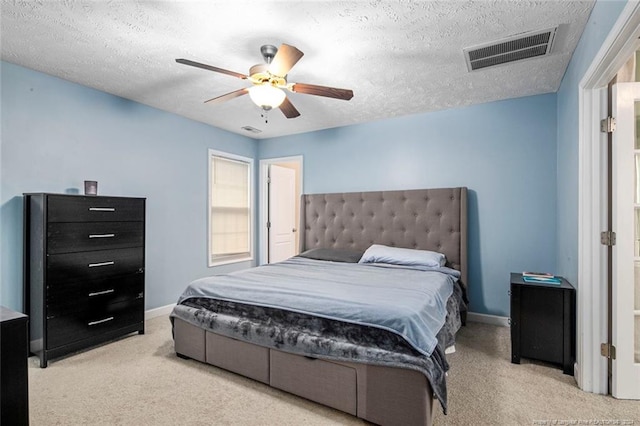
381, 395
427, 219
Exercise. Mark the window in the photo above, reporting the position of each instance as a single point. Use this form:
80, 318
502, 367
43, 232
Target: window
230, 208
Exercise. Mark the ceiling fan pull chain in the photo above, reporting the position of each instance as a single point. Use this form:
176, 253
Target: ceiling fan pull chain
265, 114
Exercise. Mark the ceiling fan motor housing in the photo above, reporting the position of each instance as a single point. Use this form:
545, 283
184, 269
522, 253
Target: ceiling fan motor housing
259, 74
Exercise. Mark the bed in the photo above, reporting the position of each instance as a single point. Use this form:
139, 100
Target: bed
385, 370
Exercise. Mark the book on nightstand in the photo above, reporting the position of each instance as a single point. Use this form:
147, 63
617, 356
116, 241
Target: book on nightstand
540, 277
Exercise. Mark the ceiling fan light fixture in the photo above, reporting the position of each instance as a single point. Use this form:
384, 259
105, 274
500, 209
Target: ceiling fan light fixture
266, 96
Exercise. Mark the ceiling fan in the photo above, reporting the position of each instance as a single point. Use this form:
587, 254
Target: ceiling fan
270, 78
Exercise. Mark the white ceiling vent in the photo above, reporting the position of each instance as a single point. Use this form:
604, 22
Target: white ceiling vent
511, 49
251, 129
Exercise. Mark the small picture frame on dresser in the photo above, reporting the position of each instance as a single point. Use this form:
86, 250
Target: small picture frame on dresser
90, 187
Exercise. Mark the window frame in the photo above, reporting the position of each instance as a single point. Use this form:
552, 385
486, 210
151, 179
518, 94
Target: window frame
243, 257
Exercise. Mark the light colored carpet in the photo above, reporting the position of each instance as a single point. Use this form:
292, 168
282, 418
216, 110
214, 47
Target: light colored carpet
138, 380
485, 388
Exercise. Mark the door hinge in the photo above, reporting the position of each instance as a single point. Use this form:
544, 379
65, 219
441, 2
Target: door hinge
608, 350
608, 238
608, 125
268, 225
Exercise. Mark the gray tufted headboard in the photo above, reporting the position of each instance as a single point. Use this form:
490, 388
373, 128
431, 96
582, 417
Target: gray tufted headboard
425, 219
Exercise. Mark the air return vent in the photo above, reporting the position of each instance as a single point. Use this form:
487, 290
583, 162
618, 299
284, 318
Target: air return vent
515, 48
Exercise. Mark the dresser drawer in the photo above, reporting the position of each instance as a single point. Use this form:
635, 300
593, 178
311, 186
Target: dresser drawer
65, 237
87, 323
90, 265
94, 209
67, 297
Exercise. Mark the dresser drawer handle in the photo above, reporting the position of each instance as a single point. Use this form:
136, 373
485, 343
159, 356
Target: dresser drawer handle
93, 265
99, 293
100, 321
102, 209
102, 235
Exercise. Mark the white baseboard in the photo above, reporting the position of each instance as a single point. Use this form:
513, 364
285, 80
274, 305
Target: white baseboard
157, 312
488, 319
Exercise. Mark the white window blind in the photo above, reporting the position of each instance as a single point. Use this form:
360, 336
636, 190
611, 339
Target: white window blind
230, 210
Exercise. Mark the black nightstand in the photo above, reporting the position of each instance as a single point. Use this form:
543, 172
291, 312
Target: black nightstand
543, 322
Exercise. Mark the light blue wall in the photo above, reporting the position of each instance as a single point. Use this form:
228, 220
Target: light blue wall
504, 152
523, 185
603, 16
55, 134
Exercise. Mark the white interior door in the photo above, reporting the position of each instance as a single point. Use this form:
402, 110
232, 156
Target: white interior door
282, 213
626, 251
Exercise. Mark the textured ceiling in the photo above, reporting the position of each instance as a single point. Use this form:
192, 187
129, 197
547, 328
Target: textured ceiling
398, 57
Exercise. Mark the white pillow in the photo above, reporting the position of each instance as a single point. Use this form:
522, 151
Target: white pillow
402, 256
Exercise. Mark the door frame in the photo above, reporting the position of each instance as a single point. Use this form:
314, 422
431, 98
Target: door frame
591, 368
263, 174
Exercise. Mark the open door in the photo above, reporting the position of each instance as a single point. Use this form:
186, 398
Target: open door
625, 163
282, 213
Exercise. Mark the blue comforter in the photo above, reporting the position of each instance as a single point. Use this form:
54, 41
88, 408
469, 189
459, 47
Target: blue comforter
408, 302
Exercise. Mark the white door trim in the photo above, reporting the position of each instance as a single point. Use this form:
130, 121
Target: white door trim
263, 196
622, 41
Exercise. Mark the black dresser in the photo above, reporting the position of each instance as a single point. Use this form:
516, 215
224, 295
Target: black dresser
543, 322
84, 270
14, 379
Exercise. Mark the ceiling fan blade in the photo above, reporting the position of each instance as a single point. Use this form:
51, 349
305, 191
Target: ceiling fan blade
228, 96
329, 92
211, 68
284, 60
288, 109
